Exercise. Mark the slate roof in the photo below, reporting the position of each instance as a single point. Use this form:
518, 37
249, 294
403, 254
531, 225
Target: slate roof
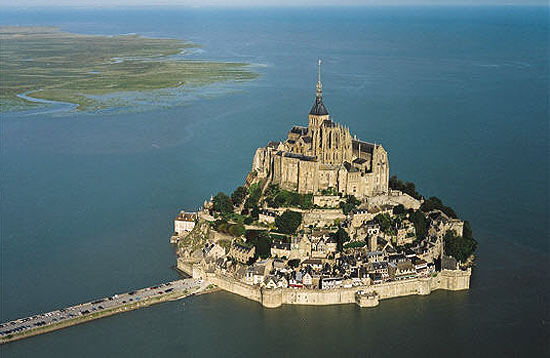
318, 108
365, 147
299, 130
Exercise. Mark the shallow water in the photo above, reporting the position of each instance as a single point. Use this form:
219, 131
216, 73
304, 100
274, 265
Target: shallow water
458, 97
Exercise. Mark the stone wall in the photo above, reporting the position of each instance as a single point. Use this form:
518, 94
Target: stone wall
272, 298
322, 217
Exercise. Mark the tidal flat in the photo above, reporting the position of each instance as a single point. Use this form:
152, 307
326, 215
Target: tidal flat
48, 64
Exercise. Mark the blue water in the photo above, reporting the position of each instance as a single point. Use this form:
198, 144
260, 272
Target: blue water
458, 97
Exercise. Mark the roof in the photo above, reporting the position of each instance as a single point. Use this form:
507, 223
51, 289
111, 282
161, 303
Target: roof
350, 168
359, 160
299, 130
184, 216
296, 156
318, 108
365, 147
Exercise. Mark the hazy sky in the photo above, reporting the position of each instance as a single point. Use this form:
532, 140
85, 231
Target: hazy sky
240, 3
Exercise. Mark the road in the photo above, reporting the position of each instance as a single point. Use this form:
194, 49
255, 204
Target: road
95, 308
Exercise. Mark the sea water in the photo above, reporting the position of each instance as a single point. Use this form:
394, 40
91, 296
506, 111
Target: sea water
458, 97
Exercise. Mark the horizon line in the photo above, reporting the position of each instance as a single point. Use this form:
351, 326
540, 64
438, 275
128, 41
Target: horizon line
236, 6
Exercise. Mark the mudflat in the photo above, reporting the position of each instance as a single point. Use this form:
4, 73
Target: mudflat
49, 64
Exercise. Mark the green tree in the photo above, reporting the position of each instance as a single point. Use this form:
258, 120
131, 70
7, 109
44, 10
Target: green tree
293, 263
459, 247
288, 222
236, 230
222, 203
341, 237
407, 187
399, 210
435, 203
255, 192
420, 224
238, 195
350, 204
263, 245
261, 240
385, 222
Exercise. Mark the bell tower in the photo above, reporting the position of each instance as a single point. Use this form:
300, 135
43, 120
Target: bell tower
318, 112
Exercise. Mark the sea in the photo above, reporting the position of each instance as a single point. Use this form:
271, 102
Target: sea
458, 96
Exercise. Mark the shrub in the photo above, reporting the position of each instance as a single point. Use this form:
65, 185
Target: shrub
354, 244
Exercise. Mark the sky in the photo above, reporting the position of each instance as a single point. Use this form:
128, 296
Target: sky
249, 3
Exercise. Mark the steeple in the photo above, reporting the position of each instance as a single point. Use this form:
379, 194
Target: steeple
319, 108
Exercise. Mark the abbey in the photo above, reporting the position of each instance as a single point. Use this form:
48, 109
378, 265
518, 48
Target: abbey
323, 157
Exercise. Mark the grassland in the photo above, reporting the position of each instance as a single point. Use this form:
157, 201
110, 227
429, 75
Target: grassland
49, 64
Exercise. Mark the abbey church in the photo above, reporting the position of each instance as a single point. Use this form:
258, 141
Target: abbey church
323, 156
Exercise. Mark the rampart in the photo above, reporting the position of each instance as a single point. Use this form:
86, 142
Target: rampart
452, 280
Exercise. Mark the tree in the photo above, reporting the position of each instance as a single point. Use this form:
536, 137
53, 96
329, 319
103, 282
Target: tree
399, 210
459, 247
288, 222
420, 225
384, 221
341, 237
255, 192
293, 263
350, 204
236, 230
263, 245
407, 187
238, 195
222, 203
434, 203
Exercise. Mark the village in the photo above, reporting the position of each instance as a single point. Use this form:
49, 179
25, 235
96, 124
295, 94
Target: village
379, 241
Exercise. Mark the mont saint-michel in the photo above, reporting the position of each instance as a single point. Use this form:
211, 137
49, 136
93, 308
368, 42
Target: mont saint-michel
320, 221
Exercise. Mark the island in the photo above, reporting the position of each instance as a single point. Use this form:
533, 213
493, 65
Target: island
319, 221
45, 64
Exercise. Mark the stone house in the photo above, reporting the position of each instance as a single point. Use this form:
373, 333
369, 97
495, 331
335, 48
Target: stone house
402, 271
280, 249
267, 216
184, 223
327, 283
241, 252
307, 279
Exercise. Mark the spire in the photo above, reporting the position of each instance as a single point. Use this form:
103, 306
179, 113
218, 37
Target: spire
319, 108
319, 84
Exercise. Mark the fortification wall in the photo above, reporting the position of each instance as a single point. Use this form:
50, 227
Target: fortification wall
272, 298
229, 284
455, 280
319, 297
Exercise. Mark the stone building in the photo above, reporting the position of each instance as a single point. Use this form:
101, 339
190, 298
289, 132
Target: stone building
240, 252
184, 223
323, 156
